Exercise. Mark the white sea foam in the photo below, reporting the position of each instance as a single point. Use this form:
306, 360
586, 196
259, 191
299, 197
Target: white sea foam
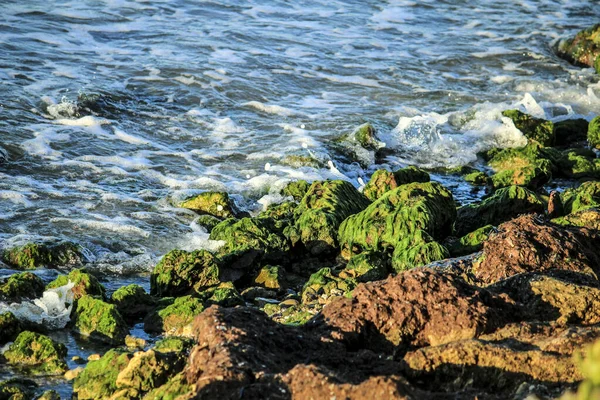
87, 121
271, 109
117, 225
126, 137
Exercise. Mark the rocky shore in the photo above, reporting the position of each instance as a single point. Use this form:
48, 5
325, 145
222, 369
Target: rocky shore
393, 291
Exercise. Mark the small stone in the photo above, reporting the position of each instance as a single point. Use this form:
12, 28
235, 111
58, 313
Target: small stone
93, 357
73, 373
78, 360
134, 342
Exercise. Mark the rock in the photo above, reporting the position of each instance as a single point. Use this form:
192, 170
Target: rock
148, 369
323, 285
176, 388
471, 242
534, 129
271, 277
73, 373
570, 131
180, 272
17, 389
174, 316
503, 205
35, 255
99, 320
296, 189
78, 360
225, 294
365, 135
286, 313
527, 244
417, 308
10, 327
586, 218
583, 49
579, 163
248, 241
94, 357
555, 206
523, 166
49, 395
24, 285
302, 160
208, 222
85, 284
585, 196
37, 353
404, 221
132, 301
477, 178
97, 380
178, 345
278, 212
367, 266
320, 213
133, 342
593, 134
252, 293
383, 181
217, 204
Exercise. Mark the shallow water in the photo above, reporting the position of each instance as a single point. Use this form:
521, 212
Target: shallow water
214, 95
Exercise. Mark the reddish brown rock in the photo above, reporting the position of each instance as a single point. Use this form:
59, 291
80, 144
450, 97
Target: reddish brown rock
529, 244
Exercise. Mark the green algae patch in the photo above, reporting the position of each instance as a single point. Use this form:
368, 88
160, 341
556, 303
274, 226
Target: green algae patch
524, 166
324, 285
208, 222
587, 195
471, 242
583, 49
417, 250
177, 388
282, 211
10, 327
296, 189
181, 272
24, 285
585, 218
35, 255
504, 204
383, 181
132, 301
217, 204
366, 267
148, 369
97, 380
477, 178
85, 283
534, 129
38, 354
593, 134
17, 389
99, 320
366, 136
225, 294
271, 277
179, 345
174, 316
579, 163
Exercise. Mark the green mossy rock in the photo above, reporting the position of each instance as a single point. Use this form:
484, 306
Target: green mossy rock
587, 195
579, 163
583, 49
97, 380
296, 189
24, 285
99, 320
589, 365
174, 316
366, 136
289, 315
10, 327
397, 216
208, 222
49, 395
417, 250
181, 272
271, 277
477, 178
504, 204
37, 353
586, 218
535, 129
524, 166
323, 285
149, 369
132, 301
383, 181
217, 204
593, 134
471, 242
300, 160
570, 131
35, 255
178, 345
282, 211
17, 389
225, 294
367, 266
320, 213
176, 388
85, 283
250, 240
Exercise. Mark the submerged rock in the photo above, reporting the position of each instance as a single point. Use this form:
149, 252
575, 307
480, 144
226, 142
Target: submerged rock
534, 129
35, 255
10, 327
85, 283
37, 353
217, 204
383, 181
99, 320
24, 285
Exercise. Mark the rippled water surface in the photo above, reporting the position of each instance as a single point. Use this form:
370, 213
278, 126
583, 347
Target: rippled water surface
201, 95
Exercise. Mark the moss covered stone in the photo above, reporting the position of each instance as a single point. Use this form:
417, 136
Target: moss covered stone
37, 353
583, 49
534, 129
290, 315
98, 379
471, 242
383, 181
10, 327
477, 178
586, 218
417, 250
282, 211
49, 395
249, 240
225, 294
132, 301
296, 189
593, 134
34, 255
320, 213
579, 163
24, 285
99, 320
524, 166
324, 285
174, 344
85, 283
208, 222
570, 131
17, 389
367, 266
181, 272
218, 204
271, 277
177, 388
503, 205
148, 369
366, 136
174, 316
587, 195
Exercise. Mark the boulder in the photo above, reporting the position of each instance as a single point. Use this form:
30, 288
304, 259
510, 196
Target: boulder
85, 283
217, 204
587, 195
534, 129
523, 166
383, 181
132, 301
570, 131
99, 320
24, 285
173, 317
296, 189
37, 353
583, 49
10, 327
586, 218
35, 255
98, 379
593, 134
